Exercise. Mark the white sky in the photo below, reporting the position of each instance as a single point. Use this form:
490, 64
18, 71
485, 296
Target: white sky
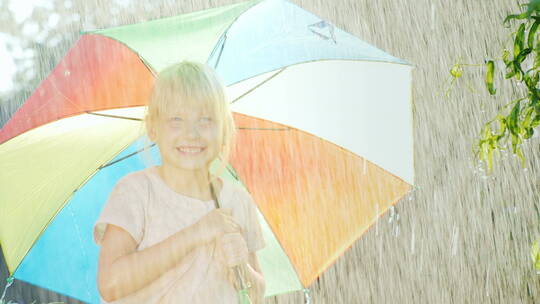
22, 9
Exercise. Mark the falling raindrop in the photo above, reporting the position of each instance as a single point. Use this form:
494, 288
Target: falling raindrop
412, 241
392, 214
487, 279
454, 239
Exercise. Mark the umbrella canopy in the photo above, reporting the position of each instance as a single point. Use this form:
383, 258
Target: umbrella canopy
324, 143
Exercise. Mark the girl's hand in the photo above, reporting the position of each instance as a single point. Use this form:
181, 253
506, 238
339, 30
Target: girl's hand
231, 250
251, 277
217, 223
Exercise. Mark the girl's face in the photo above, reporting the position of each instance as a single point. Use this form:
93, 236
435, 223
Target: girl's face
187, 137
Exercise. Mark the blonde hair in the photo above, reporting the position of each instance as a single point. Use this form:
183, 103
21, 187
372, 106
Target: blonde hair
188, 83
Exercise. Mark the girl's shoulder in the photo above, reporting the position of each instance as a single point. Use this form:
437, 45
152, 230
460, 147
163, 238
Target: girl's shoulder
134, 179
237, 190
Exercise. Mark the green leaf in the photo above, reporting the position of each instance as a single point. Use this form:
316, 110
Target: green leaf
490, 68
536, 62
490, 159
486, 147
511, 121
531, 82
511, 69
517, 16
519, 72
532, 31
482, 145
527, 131
522, 55
527, 117
519, 153
515, 143
518, 42
502, 127
534, 81
533, 6
535, 255
536, 121
530, 133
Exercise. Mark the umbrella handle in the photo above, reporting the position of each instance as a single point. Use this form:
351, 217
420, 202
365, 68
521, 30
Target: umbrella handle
243, 293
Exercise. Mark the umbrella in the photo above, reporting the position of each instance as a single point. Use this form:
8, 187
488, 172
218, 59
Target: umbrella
324, 143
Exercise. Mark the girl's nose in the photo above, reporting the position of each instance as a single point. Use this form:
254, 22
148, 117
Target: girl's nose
193, 131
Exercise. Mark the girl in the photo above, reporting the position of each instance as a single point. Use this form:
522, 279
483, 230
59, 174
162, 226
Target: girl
162, 238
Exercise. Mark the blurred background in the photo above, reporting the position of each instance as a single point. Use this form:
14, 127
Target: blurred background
461, 237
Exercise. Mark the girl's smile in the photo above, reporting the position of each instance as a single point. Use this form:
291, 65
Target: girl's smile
190, 151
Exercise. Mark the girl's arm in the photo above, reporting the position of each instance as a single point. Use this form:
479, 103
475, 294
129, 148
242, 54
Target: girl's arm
122, 270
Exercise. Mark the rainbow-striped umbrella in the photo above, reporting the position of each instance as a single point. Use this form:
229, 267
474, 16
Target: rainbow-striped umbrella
324, 146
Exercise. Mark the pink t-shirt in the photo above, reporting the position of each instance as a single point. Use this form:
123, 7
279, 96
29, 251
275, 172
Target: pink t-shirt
147, 208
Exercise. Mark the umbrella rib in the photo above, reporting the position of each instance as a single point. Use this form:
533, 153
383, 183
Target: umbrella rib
265, 129
127, 156
221, 49
114, 116
258, 85
223, 36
